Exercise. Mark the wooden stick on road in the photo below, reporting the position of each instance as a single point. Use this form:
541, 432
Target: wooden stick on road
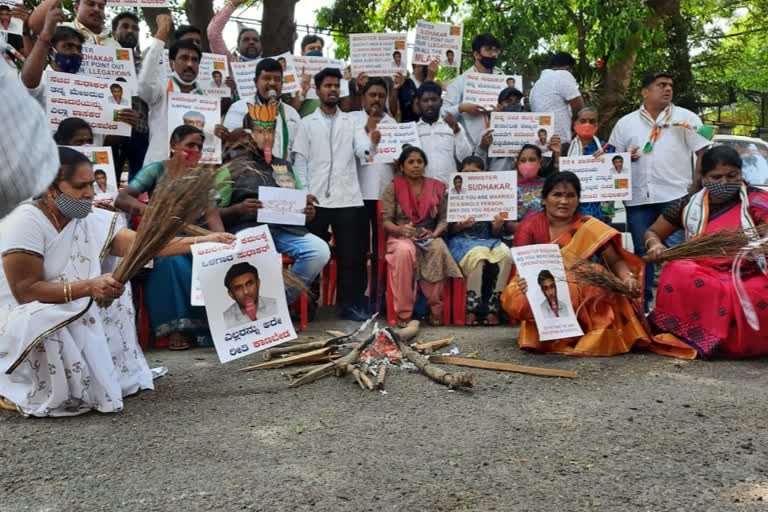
504, 367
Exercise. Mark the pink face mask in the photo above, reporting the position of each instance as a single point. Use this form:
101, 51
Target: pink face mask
585, 130
191, 156
528, 169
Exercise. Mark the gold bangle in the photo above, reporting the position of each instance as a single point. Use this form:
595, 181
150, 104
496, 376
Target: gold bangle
650, 239
65, 293
69, 289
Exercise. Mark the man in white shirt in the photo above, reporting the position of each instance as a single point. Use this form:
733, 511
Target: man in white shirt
269, 77
556, 91
373, 178
89, 20
184, 57
474, 118
442, 139
662, 170
325, 149
62, 47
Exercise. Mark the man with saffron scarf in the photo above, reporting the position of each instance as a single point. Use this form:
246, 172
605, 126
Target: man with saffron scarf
662, 138
255, 166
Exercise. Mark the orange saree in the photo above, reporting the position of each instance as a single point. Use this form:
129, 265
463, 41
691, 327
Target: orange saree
610, 322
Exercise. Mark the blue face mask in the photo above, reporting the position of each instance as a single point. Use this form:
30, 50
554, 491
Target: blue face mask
315, 53
68, 63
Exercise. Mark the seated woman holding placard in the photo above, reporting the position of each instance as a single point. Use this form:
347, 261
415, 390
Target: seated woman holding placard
609, 321
585, 143
413, 216
483, 258
167, 292
64, 354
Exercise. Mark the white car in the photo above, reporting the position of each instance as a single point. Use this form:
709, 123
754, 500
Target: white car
754, 154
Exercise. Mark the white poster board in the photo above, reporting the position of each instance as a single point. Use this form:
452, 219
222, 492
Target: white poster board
244, 294
137, 3
312, 65
111, 63
438, 41
103, 164
393, 137
291, 78
212, 73
200, 111
605, 178
512, 130
244, 75
282, 206
482, 195
542, 268
483, 89
15, 25
381, 54
86, 97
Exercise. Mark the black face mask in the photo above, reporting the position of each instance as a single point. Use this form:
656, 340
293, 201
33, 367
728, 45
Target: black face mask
512, 107
723, 191
488, 62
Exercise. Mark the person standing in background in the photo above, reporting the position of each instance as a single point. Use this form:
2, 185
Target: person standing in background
556, 91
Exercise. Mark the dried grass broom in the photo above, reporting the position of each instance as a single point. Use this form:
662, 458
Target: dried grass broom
585, 272
725, 243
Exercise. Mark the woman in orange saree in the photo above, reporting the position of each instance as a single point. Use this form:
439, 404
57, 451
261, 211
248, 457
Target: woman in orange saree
610, 322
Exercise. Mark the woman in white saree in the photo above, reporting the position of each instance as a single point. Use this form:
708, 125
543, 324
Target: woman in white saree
60, 353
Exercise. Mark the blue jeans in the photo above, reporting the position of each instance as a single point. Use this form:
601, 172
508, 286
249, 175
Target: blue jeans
639, 219
310, 255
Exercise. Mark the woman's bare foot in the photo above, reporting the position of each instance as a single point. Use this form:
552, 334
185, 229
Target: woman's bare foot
7, 405
179, 341
403, 322
491, 319
470, 319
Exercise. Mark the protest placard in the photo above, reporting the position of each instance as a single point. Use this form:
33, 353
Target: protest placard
542, 268
244, 294
380, 54
393, 137
312, 65
244, 74
605, 178
111, 63
483, 89
200, 111
15, 25
105, 186
137, 3
482, 195
86, 97
282, 206
438, 41
512, 130
211, 74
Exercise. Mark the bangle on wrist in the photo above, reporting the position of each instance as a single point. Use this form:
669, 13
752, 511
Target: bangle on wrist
650, 240
43, 38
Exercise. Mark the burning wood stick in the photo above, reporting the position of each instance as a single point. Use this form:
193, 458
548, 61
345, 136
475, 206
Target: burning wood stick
328, 369
361, 378
381, 376
286, 361
432, 345
409, 331
314, 374
504, 367
336, 334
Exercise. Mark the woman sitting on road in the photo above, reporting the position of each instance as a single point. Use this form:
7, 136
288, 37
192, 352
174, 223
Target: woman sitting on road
610, 323
413, 216
168, 288
484, 259
716, 325
73, 356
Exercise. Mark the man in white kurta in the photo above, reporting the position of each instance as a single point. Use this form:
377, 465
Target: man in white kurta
325, 150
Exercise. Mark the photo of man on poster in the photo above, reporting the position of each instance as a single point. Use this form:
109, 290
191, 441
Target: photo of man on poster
242, 283
551, 307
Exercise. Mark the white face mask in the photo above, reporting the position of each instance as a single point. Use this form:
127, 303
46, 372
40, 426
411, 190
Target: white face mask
181, 80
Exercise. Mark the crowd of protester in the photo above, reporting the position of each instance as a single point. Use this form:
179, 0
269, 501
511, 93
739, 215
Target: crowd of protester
58, 249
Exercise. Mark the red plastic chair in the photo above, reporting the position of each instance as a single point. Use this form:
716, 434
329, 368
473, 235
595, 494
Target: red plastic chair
302, 303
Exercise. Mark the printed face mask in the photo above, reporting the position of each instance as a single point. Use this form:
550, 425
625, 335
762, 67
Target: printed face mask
585, 130
723, 190
191, 156
73, 208
68, 63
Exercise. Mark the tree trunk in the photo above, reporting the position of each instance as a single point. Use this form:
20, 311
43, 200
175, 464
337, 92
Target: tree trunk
615, 81
199, 14
676, 27
150, 13
278, 27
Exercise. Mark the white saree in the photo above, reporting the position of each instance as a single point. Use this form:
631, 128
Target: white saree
67, 359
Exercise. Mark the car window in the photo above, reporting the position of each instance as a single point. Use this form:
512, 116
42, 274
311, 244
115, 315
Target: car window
755, 160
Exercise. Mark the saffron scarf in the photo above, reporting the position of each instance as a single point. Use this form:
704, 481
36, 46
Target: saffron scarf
418, 209
706, 131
